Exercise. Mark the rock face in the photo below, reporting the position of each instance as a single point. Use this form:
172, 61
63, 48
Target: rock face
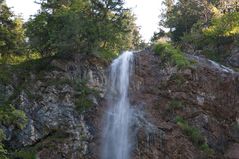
205, 95
56, 127
234, 60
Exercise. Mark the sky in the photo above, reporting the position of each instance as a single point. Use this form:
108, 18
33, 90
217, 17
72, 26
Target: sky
146, 11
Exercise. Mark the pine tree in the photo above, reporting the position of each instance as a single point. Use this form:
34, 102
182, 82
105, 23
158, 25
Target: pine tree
11, 32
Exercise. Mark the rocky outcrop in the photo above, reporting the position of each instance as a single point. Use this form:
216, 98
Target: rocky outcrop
56, 103
205, 95
65, 105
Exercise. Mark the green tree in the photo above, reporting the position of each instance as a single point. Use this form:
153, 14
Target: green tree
182, 16
81, 26
11, 32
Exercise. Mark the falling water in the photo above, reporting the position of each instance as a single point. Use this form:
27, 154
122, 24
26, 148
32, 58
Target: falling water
116, 140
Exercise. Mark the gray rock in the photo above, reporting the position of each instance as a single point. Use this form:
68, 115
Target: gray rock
234, 60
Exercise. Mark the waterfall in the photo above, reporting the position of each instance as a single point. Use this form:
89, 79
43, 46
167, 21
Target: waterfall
116, 142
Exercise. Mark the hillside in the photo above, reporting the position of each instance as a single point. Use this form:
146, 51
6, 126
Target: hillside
189, 113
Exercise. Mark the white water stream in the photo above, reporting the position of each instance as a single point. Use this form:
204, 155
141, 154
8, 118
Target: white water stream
116, 142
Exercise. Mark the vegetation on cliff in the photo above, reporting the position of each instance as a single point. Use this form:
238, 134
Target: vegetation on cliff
102, 28
172, 55
60, 29
205, 26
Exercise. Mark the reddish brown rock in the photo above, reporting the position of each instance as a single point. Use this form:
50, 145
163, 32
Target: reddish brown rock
209, 98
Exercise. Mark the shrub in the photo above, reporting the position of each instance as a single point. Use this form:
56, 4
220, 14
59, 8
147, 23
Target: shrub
82, 100
223, 30
3, 151
194, 135
205, 148
224, 26
9, 115
17, 59
168, 53
5, 74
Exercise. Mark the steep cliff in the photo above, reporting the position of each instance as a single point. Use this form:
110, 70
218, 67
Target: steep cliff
180, 113
194, 110
56, 100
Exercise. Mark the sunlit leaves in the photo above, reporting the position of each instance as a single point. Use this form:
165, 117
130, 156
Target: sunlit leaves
225, 26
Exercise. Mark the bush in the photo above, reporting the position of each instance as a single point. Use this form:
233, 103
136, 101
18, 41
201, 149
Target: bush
171, 54
11, 116
17, 59
82, 100
194, 135
212, 37
205, 148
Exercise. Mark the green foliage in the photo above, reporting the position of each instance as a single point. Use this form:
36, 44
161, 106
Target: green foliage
3, 152
224, 26
25, 154
5, 75
82, 26
12, 38
194, 135
178, 79
11, 116
82, 100
2, 135
182, 16
221, 31
37, 66
206, 149
208, 26
175, 104
171, 54
18, 59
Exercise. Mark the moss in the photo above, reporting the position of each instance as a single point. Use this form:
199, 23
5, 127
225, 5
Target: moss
194, 135
173, 55
24, 154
